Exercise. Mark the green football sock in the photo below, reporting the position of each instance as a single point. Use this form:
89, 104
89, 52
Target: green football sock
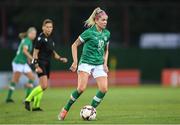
28, 90
37, 100
34, 92
11, 89
74, 96
97, 99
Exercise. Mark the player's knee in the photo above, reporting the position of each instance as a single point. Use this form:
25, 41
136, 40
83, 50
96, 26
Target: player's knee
31, 81
15, 81
44, 87
104, 89
81, 89
33, 78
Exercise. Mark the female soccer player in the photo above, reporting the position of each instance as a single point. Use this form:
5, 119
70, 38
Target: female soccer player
20, 65
43, 50
93, 59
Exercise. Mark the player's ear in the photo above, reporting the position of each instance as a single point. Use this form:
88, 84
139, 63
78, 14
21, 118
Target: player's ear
95, 20
43, 28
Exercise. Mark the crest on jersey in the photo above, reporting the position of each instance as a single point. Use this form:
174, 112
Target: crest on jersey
39, 38
23, 40
46, 39
105, 38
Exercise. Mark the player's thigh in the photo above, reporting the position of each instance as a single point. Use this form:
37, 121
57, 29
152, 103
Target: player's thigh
43, 81
82, 80
16, 76
17, 71
85, 68
102, 83
101, 78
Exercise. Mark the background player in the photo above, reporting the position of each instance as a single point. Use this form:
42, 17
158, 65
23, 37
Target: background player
19, 63
43, 51
93, 59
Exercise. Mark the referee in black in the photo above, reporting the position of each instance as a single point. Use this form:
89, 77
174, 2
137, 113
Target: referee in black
44, 49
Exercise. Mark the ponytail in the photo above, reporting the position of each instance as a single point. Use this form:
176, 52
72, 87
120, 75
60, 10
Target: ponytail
25, 34
95, 14
22, 35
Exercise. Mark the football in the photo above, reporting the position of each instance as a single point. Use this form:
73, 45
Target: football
88, 113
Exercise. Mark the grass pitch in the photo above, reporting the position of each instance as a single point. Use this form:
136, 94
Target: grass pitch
121, 105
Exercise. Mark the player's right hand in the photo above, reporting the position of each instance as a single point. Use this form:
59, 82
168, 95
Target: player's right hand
73, 67
38, 70
34, 61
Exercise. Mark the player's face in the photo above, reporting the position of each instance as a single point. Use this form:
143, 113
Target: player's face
32, 35
47, 28
102, 21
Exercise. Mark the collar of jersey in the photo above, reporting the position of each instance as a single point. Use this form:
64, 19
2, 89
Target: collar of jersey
27, 38
95, 29
45, 35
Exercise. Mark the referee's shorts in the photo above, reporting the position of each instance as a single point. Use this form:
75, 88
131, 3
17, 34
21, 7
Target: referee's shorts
45, 66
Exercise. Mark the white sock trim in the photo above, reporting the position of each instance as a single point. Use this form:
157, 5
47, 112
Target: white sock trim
12, 88
73, 98
97, 99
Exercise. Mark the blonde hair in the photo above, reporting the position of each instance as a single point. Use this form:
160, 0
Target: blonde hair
91, 20
30, 29
24, 34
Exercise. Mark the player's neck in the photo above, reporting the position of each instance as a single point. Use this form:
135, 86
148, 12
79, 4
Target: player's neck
98, 29
47, 35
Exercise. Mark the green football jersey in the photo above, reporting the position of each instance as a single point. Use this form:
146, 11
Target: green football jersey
20, 56
94, 45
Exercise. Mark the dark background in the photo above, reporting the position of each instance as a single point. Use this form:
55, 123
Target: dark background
128, 19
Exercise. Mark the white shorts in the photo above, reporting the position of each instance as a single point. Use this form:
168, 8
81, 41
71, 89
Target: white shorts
23, 68
95, 70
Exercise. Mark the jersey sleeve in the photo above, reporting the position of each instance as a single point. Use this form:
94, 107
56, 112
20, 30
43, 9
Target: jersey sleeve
38, 43
84, 36
26, 43
108, 38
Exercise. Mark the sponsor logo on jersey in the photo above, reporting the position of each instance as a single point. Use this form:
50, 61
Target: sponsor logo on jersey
46, 39
39, 38
105, 38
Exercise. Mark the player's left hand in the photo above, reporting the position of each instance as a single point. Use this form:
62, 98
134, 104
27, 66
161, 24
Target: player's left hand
64, 60
106, 69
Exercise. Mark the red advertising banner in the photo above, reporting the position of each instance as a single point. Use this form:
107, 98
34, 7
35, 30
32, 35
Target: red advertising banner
171, 77
120, 77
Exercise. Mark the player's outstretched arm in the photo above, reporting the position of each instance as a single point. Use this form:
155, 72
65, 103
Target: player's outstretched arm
25, 51
74, 54
106, 58
35, 53
35, 60
58, 57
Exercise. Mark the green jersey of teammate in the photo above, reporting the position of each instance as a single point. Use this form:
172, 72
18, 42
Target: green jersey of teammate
20, 56
94, 45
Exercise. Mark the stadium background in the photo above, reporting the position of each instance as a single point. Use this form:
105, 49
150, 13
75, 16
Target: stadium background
128, 21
